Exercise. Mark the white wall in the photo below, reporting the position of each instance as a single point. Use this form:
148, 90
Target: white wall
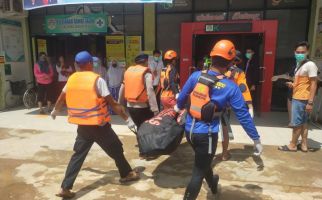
19, 70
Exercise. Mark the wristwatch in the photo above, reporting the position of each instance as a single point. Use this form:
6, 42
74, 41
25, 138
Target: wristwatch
310, 103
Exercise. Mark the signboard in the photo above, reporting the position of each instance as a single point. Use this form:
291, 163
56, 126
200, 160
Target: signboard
12, 40
249, 15
231, 27
90, 23
41, 45
215, 16
32, 4
115, 47
133, 48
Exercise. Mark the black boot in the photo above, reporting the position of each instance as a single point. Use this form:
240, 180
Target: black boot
214, 186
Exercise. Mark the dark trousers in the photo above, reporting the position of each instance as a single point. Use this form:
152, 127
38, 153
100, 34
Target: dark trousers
202, 166
106, 138
140, 115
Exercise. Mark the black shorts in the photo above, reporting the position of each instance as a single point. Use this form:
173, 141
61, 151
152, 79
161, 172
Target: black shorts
45, 92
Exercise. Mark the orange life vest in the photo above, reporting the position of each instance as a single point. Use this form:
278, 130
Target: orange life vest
165, 83
201, 107
238, 76
85, 106
134, 83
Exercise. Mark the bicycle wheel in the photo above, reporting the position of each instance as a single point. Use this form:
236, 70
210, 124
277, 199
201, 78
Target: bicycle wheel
30, 98
10, 99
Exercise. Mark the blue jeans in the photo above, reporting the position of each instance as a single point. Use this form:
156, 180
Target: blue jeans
299, 115
115, 94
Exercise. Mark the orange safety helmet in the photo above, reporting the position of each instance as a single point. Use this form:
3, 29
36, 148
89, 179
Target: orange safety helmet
170, 54
225, 49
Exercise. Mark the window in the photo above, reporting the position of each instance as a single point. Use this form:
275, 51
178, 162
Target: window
168, 34
287, 3
55, 10
111, 8
289, 33
134, 24
207, 5
176, 6
246, 4
133, 8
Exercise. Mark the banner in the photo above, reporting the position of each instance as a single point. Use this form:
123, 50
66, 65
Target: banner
41, 46
133, 48
115, 48
12, 40
32, 4
90, 23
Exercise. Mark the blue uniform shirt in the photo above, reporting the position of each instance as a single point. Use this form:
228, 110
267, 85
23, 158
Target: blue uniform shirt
225, 93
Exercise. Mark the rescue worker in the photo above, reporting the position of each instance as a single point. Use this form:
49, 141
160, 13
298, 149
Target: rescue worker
169, 80
137, 90
210, 93
238, 76
87, 99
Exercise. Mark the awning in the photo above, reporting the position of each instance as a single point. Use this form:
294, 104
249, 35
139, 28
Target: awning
33, 4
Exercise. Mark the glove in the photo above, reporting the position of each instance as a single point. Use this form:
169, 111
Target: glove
251, 112
130, 124
53, 114
177, 95
176, 109
258, 148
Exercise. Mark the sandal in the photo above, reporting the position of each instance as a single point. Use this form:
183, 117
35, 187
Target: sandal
285, 148
132, 176
66, 194
299, 147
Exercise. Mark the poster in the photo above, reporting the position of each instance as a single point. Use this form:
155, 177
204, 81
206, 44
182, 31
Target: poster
89, 23
133, 48
12, 41
32, 4
42, 45
115, 47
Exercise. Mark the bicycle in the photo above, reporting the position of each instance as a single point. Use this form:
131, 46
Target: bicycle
30, 96
19, 94
13, 96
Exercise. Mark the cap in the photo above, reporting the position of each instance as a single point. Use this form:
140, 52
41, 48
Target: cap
141, 58
83, 57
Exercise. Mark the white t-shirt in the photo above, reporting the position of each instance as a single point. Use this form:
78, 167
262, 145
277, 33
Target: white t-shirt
301, 85
155, 67
101, 88
115, 76
61, 77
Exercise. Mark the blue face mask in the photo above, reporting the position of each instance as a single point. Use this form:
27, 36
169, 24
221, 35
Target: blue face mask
248, 55
300, 57
156, 59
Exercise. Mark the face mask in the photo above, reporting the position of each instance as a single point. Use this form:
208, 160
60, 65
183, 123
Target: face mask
248, 55
114, 65
95, 64
300, 57
156, 59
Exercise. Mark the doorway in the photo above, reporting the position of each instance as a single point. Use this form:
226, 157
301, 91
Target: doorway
197, 39
243, 41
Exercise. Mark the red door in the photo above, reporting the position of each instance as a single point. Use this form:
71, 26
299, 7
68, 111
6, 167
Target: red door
268, 28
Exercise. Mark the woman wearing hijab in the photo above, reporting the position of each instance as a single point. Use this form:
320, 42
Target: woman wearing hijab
44, 74
64, 71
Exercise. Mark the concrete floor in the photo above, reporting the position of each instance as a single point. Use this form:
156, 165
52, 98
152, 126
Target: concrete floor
34, 152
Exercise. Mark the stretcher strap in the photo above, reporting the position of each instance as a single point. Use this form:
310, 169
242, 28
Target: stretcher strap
191, 129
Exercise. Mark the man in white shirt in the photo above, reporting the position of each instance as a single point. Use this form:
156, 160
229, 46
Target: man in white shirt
156, 65
114, 78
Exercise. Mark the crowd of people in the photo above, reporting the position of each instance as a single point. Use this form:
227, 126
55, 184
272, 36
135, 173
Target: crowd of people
151, 85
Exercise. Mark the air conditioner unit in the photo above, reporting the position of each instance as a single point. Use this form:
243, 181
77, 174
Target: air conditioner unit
12, 8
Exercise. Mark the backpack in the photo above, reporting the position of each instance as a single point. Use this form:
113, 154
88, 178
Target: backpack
200, 105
